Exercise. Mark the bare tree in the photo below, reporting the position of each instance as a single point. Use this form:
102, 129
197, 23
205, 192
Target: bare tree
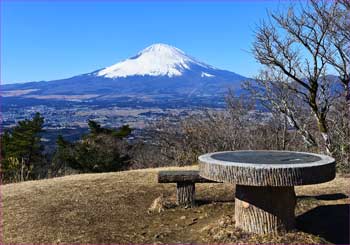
337, 49
294, 48
238, 127
277, 97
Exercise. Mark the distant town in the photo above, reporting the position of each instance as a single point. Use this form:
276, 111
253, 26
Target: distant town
71, 120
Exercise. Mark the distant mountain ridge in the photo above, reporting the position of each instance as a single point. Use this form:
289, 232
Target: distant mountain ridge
159, 70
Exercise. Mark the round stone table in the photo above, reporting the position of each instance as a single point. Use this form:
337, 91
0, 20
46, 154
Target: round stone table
265, 198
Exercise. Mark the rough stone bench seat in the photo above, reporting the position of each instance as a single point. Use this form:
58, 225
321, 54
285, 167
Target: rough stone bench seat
185, 184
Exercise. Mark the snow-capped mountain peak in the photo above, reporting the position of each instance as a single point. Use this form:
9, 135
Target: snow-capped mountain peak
161, 48
158, 75
156, 60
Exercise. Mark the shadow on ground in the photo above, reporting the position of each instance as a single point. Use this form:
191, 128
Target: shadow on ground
326, 197
201, 202
330, 222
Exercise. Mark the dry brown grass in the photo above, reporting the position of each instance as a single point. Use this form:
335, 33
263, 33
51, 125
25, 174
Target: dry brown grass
113, 208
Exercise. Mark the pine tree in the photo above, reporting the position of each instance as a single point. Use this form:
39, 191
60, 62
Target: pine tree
102, 150
63, 157
22, 151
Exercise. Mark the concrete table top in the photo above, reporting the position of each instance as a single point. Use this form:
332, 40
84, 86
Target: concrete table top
267, 168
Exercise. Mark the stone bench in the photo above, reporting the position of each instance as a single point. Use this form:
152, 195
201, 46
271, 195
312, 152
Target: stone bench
185, 184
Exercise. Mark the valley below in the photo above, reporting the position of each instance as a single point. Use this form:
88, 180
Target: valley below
70, 117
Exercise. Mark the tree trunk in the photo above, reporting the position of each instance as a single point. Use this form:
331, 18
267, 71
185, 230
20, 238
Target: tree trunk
323, 128
185, 194
347, 92
265, 209
284, 133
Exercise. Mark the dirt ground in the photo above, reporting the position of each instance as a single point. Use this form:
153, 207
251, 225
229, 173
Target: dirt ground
114, 208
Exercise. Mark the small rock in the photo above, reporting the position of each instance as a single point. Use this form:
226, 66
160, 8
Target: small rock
222, 223
183, 217
158, 205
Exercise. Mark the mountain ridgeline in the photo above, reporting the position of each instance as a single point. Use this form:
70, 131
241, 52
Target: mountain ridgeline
159, 71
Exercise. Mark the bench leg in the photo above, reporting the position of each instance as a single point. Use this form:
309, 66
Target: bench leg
185, 193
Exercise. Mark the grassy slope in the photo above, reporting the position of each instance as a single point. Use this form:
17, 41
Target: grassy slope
112, 208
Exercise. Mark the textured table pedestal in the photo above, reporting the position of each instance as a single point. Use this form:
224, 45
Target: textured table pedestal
265, 209
265, 198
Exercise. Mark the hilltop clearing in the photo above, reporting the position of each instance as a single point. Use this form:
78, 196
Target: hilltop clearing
114, 208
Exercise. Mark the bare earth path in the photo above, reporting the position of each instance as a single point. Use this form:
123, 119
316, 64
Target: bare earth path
113, 208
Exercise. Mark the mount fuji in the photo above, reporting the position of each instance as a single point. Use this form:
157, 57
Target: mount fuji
158, 72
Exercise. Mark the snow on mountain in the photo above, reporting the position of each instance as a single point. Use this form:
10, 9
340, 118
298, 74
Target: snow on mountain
204, 74
155, 60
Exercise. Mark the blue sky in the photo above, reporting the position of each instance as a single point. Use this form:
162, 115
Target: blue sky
58, 39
